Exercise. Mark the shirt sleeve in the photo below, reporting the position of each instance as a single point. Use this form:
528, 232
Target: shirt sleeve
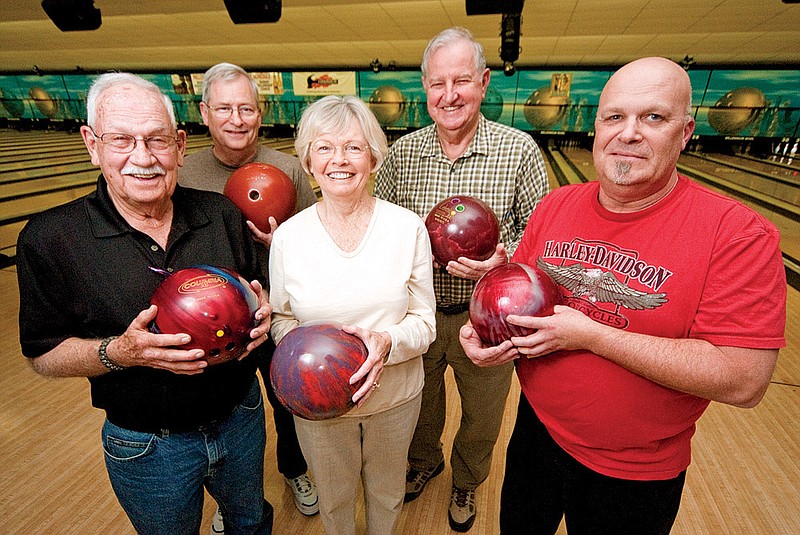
283, 319
743, 303
532, 186
42, 322
412, 336
386, 179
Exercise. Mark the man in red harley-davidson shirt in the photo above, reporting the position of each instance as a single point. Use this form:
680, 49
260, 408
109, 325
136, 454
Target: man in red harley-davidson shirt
676, 297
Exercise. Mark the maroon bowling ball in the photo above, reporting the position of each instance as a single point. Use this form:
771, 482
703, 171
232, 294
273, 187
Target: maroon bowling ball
311, 370
215, 306
261, 190
462, 226
512, 288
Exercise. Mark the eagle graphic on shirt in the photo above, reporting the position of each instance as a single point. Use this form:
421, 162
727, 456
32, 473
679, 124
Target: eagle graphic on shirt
594, 285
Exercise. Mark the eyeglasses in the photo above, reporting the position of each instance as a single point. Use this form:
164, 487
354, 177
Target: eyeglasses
351, 150
224, 112
125, 143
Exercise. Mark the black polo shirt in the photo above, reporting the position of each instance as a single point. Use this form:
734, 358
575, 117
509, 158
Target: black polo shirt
84, 272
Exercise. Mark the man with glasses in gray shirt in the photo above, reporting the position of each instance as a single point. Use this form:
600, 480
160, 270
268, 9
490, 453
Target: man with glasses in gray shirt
230, 109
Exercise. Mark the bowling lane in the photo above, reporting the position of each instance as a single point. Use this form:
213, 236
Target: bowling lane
582, 162
82, 176
37, 156
789, 168
778, 183
14, 140
551, 175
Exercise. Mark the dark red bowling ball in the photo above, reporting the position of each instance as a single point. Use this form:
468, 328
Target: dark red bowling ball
215, 306
462, 226
311, 370
512, 288
261, 190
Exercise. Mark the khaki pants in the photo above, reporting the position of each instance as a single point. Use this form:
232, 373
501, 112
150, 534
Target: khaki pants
371, 449
483, 393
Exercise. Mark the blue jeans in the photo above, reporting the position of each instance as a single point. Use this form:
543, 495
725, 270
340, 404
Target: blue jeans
159, 478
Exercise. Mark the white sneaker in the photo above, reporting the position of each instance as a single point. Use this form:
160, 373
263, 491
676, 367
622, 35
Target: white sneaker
217, 525
462, 511
305, 494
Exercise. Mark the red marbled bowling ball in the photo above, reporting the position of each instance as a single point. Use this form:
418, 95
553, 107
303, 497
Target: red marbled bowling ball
462, 226
512, 288
311, 370
215, 306
261, 190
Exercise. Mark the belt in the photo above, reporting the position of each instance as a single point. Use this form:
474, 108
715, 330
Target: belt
452, 310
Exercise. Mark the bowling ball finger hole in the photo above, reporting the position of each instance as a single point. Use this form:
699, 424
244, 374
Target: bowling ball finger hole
230, 346
214, 352
254, 194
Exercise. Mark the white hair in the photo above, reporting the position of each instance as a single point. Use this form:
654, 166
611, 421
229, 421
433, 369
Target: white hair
334, 114
110, 80
451, 36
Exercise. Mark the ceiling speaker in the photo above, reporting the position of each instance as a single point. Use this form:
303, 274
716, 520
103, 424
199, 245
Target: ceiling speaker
253, 11
73, 15
493, 7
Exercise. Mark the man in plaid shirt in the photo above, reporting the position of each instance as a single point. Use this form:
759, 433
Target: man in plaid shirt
462, 153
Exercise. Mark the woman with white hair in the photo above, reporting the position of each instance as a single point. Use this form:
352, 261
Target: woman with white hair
365, 263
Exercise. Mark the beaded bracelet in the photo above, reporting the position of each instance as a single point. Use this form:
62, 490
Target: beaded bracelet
107, 362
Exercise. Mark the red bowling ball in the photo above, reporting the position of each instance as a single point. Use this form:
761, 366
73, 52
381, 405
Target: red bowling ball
462, 226
261, 190
311, 370
215, 306
512, 288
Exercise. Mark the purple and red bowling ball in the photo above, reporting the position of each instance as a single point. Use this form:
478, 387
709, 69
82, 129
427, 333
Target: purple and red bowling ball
261, 190
215, 306
311, 369
462, 226
512, 288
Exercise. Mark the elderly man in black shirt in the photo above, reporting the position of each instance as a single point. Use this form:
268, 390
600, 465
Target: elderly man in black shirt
174, 424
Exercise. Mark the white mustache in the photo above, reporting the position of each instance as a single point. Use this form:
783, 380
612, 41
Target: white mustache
136, 170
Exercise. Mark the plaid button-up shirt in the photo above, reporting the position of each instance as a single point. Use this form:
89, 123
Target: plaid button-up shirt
502, 166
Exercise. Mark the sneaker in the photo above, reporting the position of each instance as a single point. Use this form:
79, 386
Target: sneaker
462, 509
217, 525
417, 479
305, 494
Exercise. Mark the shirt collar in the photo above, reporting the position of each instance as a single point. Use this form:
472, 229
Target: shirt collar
106, 221
480, 144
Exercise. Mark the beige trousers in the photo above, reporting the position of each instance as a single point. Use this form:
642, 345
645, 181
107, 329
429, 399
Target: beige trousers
372, 450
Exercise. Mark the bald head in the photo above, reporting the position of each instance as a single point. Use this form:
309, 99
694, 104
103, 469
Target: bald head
643, 123
645, 74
